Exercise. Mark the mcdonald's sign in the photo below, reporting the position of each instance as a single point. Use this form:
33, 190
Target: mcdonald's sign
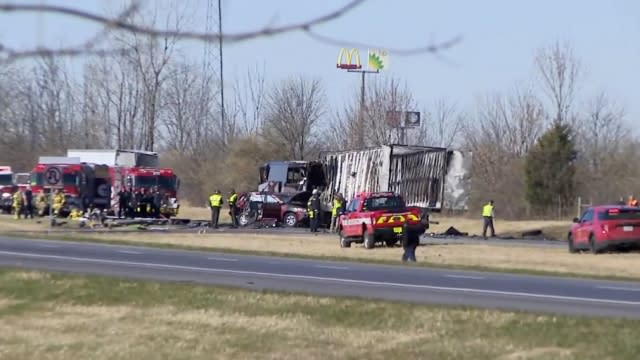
351, 55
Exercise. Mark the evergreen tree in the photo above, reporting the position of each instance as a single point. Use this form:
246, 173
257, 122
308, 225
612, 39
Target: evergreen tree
550, 168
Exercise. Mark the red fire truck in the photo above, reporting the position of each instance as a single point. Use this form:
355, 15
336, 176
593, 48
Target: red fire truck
7, 188
82, 184
146, 178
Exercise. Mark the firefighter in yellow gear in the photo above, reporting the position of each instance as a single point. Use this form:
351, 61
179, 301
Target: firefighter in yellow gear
75, 213
58, 202
335, 211
42, 201
17, 203
233, 209
313, 210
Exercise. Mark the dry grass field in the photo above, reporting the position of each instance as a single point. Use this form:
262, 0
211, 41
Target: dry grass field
48, 316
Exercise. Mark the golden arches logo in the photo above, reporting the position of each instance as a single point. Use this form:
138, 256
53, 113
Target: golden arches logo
350, 54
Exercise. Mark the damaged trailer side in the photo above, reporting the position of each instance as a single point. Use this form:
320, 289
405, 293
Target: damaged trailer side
416, 172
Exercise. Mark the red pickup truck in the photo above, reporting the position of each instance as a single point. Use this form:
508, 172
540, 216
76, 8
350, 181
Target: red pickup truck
379, 217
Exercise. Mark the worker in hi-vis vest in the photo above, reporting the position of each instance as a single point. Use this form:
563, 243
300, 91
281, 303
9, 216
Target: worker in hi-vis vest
487, 216
215, 203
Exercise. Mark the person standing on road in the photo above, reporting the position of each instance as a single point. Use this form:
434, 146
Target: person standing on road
215, 203
156, 202
336, 211
487, 215
410, 242
28, 202
18, 203
313, 206
233, 209
122, 203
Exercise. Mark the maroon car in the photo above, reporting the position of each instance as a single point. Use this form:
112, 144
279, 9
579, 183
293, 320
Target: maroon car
289, 209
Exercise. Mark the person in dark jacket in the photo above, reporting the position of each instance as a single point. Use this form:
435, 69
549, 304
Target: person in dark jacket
28, 203
123, 203
136, 203
156, 202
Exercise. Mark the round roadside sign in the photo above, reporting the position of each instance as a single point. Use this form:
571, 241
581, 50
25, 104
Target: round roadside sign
53, 176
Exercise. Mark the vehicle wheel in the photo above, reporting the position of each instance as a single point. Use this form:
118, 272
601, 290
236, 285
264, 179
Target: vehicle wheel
572, 248
391, 242
592, 245
243, 219
369, 241
344, 242
290, 219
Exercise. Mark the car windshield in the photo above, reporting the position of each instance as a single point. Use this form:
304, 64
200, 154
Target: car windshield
390, 202
22, 178
6, 179
619, 214
146, 181
167, 182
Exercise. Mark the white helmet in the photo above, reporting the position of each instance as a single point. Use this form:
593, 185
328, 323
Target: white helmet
315, 191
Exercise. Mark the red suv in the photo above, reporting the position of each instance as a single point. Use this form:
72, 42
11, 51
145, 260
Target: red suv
603, 227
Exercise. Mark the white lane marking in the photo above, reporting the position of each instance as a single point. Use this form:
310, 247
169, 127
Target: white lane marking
319, 278
221, 259
274, 263
129, 252
465, 277
331, 267
617, 288
49, 246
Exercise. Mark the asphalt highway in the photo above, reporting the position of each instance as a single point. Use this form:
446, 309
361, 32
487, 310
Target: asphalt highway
399, 283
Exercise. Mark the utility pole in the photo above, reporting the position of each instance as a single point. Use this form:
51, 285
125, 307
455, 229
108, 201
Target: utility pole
361, 126
208, 65
223, 115
353, 54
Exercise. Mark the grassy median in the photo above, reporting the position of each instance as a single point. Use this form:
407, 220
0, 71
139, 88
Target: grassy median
51, 316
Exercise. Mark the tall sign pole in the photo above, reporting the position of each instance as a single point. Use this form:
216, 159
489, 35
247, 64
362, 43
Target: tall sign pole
52, 180
377, 60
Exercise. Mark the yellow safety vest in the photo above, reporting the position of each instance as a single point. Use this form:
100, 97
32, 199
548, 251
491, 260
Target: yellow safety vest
58, 201
215, 200
336, 206
487, 210
232, 199
310, 211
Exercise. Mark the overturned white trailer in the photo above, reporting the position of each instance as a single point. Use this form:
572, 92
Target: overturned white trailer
429, 177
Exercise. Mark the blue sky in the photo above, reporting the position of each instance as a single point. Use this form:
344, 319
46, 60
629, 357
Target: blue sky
499, 41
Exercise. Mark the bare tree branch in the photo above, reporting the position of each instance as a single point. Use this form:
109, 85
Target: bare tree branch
86, 48
430, 48
120, 24
560, 72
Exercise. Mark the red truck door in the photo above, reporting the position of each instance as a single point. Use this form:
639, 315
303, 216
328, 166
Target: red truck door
351, 226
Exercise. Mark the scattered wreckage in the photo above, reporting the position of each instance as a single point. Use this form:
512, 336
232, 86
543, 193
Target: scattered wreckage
431, 178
